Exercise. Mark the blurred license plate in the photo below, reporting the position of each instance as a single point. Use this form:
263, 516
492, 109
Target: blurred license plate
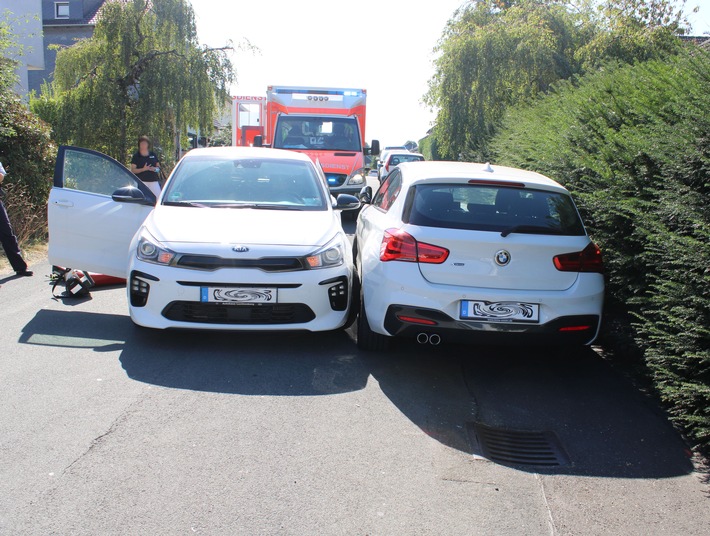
500, 311
238, 295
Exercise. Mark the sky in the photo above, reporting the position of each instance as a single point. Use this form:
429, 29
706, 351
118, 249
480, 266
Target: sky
384, 46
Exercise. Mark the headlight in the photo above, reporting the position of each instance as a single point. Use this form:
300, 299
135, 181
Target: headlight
328, 256
357, 177
150, 250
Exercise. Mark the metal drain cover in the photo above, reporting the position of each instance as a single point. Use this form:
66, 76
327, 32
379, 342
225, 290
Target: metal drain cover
517, 447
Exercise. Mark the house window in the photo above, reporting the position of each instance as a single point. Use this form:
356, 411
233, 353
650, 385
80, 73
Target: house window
61, 10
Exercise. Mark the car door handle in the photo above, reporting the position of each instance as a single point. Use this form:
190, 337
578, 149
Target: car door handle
64, 203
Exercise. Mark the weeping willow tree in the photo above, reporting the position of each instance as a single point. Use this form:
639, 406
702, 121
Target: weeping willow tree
495, 54
143, 72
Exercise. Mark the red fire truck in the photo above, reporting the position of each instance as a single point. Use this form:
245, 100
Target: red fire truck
327, 124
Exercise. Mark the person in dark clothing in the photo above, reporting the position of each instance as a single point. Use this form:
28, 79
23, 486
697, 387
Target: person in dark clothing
145, 165
8, 238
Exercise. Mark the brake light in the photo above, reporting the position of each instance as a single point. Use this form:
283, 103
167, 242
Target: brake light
587, 260
504, 184
400, 246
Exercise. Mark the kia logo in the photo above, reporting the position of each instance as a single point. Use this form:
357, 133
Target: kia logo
240, 249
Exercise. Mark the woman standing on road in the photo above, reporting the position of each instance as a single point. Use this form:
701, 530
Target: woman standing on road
145, 165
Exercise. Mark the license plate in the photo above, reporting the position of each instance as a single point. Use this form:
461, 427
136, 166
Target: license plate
229, 295
500, 311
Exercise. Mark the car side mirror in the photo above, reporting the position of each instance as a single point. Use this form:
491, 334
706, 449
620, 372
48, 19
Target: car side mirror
375, 147
130, 194
366, 195
347, 202
258, 141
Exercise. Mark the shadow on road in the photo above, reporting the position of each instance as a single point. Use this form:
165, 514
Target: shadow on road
607, 428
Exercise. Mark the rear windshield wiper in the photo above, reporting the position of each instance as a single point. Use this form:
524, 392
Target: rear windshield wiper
529, 229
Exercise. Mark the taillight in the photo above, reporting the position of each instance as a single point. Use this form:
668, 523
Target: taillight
400, 246
587, 260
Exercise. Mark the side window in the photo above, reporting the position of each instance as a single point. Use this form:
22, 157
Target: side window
94, 173
389, 191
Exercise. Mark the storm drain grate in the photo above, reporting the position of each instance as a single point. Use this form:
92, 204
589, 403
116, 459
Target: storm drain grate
518, 447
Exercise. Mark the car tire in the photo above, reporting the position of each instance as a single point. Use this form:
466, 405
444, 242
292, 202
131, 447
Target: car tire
367, 339
354, 303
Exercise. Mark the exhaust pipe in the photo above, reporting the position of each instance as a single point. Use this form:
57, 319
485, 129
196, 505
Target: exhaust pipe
423, 338
434, 339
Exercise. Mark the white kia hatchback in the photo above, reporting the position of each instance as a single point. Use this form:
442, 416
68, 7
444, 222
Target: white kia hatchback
464, 252
239, 239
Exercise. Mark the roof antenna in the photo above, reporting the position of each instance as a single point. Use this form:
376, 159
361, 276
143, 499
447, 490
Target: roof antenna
488, 168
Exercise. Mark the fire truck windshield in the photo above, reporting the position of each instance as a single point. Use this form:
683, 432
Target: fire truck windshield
317, 133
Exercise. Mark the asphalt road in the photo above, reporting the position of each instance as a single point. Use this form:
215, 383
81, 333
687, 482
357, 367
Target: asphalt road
109, 429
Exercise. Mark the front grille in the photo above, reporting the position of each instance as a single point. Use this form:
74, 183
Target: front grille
254, 314
267, 264
335, 179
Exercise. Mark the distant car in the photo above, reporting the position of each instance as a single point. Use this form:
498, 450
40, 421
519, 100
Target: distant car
384, 152
239, 239
395, 158
450, 251
372, 173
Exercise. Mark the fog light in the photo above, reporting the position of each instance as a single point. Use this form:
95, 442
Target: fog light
139, 289
338, 294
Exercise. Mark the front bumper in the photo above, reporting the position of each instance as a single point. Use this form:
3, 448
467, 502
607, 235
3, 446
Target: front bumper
307, 300
346, 189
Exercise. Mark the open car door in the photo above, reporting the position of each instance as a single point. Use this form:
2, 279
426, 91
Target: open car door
95, 207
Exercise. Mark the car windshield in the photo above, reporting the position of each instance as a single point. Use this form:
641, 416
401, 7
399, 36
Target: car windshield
493, 208
318, 133
207, 181
397, 159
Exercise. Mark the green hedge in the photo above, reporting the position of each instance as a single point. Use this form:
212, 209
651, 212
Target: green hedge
633, 144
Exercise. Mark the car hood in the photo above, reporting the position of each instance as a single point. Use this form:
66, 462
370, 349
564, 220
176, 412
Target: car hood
180, 225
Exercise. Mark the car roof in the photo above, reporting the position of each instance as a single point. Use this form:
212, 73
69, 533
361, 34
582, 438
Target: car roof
403, 153
436, 171
248, 152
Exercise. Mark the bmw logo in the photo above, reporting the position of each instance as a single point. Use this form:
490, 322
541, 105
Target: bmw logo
240, 249
502, 257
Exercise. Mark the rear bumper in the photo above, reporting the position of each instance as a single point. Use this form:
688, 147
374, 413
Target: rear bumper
565, 330
399, 284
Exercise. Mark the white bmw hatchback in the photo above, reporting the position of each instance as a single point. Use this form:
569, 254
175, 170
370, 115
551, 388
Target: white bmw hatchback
239, 239
459, 251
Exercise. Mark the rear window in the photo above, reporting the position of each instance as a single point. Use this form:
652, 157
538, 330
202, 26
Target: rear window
398, 159
493, 208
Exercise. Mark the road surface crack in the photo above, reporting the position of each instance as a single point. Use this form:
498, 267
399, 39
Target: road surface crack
550, 519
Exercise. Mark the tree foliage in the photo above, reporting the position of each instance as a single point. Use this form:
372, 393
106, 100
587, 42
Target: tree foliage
633, 144
142, 72
494, 54
26, 149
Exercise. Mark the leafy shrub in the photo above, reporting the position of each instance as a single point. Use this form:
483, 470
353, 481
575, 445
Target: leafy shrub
633, 144
28, 154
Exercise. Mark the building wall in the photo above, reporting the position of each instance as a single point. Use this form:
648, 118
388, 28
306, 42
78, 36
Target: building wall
27, 27
56, 35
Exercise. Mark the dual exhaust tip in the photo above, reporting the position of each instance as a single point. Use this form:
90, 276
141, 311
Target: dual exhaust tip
433, 339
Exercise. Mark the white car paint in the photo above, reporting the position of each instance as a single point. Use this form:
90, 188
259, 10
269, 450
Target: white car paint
91, 231
470, 271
